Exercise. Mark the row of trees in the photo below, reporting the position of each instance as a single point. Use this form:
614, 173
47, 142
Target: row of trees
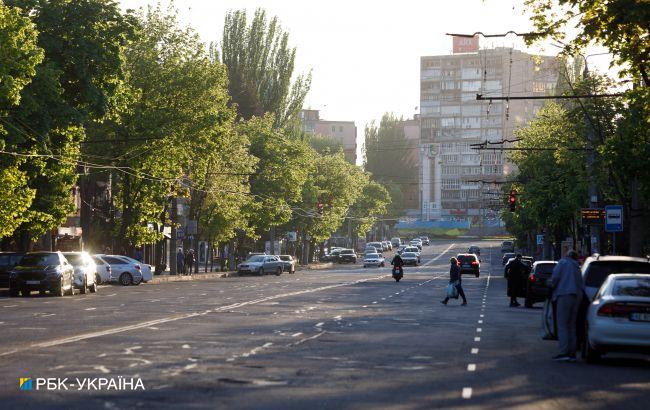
147, 114
552, 183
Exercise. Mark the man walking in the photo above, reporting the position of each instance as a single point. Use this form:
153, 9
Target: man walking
515, 272
180, 261
568, 289
456, 280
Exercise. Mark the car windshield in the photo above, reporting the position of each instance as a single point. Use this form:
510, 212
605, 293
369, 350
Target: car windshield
544, 268
509, 255
40, 259
506, 243
256, 258
347, 252
632, 287
9, 260
372, 256
74, 258
409, 255
285, 258
466, 258
598, 271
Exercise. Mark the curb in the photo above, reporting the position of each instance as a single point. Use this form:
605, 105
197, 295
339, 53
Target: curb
196, 276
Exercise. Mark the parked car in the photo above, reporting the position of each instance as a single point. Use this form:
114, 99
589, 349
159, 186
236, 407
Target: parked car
469, 264
347, 256
396, 242
42, 271
122, 271
103, 269
289, 263
147, 273
373, 259
475, 250
85, 271
538, 285
333, 256
410, 258
7, 262
261, 264
618, 320
425, 240
596, 268
506, 257
507, 246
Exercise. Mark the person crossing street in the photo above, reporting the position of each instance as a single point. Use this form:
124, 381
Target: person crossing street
455, 279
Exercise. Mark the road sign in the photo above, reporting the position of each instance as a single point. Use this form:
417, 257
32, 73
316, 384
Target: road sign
592, 216
614, 218
180, 233
540, 239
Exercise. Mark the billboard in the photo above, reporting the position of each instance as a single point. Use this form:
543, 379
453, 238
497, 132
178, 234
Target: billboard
465, 44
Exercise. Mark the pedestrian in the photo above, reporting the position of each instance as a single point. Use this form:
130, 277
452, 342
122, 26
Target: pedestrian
515, 272
189, 261
455, 279
180, 261
568, 289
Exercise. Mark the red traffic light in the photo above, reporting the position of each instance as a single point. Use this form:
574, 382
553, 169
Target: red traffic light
512, 201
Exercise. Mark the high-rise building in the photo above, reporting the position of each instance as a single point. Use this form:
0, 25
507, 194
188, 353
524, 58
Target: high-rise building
455, 178
343, 131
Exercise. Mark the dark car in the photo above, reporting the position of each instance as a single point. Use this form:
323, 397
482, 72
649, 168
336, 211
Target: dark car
507, 257
7, 262
347, 256
475, 250
333, 256
469, 264
42, 271
538, 285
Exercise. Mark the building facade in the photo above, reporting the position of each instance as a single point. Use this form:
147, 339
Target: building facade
457, 181
343, 131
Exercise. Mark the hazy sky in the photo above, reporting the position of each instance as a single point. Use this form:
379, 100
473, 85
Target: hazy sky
364, 55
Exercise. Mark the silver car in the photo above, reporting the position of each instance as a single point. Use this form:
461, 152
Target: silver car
261, 264
619, 317
85, 271
374, 259
289, 263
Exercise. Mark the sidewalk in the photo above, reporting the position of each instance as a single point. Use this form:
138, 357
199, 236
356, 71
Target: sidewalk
166, 277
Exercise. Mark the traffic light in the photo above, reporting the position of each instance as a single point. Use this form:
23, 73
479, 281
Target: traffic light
512, 201
319, 207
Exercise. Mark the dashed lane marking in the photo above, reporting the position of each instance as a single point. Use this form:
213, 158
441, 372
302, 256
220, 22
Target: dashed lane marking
471, 367
467, 393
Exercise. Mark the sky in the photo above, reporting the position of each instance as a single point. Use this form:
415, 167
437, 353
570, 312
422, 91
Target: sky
364, 55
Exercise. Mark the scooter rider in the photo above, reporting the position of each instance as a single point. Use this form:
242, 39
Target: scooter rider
398, 264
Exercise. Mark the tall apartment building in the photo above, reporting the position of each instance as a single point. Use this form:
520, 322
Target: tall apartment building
343, 131
453, 175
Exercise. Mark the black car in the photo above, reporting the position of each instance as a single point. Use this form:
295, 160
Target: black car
538, 287
475, 250
469, 264
42, 271
347, 256
507, 257
7, 262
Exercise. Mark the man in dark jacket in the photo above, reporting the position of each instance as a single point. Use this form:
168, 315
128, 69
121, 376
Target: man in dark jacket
515, 272
189, 261
398, 263
455, 279
180, 261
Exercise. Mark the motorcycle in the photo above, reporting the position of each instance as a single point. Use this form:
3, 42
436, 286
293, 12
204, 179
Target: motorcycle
398, 273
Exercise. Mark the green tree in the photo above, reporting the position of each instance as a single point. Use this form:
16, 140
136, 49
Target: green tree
260, 68
79, 75
619, 25
373, 202
325, 145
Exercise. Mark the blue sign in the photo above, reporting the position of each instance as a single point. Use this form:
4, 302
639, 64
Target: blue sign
540, 239
614, 218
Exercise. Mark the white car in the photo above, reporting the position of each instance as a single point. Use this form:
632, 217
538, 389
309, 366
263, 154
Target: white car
85, 271
619, 317
147, 273
374, 259
122, 270
103, 269
417, 243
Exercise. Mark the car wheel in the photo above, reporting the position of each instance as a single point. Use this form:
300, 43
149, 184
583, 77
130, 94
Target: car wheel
365, 266
382, 264
93, 287
278, 271
138, 281
98, 279
84, 287
73, 290
260, 272
476, 274
60, 290
25, 292
590, 354
126, 279
42, 292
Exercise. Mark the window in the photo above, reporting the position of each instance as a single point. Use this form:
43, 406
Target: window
114, 261
450, 158
450, 109
450, 184
471, 85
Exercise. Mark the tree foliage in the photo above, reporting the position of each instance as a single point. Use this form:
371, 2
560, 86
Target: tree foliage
260, 68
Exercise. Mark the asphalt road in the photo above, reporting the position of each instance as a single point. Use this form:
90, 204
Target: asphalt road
341, 338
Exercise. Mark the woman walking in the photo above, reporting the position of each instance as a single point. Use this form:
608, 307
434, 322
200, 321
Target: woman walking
454, 279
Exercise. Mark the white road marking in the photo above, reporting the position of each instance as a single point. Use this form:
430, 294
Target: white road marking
477, 339
90, 308
10, 306
467, 393
481, 315
474, 350
471, 367
319, 324
185, 346
296, 334
479, 330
